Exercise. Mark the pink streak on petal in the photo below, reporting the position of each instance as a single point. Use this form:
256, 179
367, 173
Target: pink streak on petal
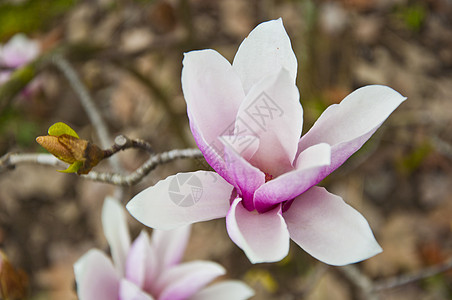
203, 196
96, 277
266, 49
185, 280
213, 152
329, 229
272, 112
247, 178
310, 170
141, 263
263, 237
348, 125
225, 290
129, 291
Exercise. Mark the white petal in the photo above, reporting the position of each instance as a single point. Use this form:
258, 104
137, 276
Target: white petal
329, 229
169, 246
272, 112
141, 263
263, 237
129, 291
348, 125
96, 277
185, 280
225, 290
116, 231
266, 49
182, 199
210, 82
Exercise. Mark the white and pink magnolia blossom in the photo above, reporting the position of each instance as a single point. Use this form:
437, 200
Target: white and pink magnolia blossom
246, 119
149, 268
18, 51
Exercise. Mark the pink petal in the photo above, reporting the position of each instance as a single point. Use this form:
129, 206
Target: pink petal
266, 49
209, 81
169, 246
348, 125
96, 277
184, 280
329, 229
225, 290
129, 291
245, 145
116, 231
309, 171
213, 152
141, 263
182, 199
246, 177
263, 237
272, 112
19, 50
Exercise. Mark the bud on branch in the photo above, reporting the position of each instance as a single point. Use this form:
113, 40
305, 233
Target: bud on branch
64, 143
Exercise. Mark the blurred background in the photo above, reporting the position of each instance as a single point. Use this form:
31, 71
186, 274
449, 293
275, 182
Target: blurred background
129, 52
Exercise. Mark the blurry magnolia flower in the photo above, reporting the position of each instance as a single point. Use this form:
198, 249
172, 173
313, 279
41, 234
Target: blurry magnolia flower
19, 51
149, 268
247, 121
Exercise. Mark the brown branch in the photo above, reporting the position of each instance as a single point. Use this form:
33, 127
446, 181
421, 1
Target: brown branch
397, 281
10, 161
145, 169
360, 280
122, 143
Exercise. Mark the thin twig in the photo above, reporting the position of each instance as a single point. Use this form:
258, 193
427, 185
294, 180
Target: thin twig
397, 281
360, 280
308, 285
10, 161
122, 143
148, 166
85, 99
442, 146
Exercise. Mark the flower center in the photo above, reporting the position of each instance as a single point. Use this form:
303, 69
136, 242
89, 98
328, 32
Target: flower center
268, 177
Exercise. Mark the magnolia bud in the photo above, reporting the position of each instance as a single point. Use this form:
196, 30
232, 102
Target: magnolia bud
65, 144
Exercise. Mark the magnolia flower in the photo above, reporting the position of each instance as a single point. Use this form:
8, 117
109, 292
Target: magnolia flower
246, 119
148, 268
19, 51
